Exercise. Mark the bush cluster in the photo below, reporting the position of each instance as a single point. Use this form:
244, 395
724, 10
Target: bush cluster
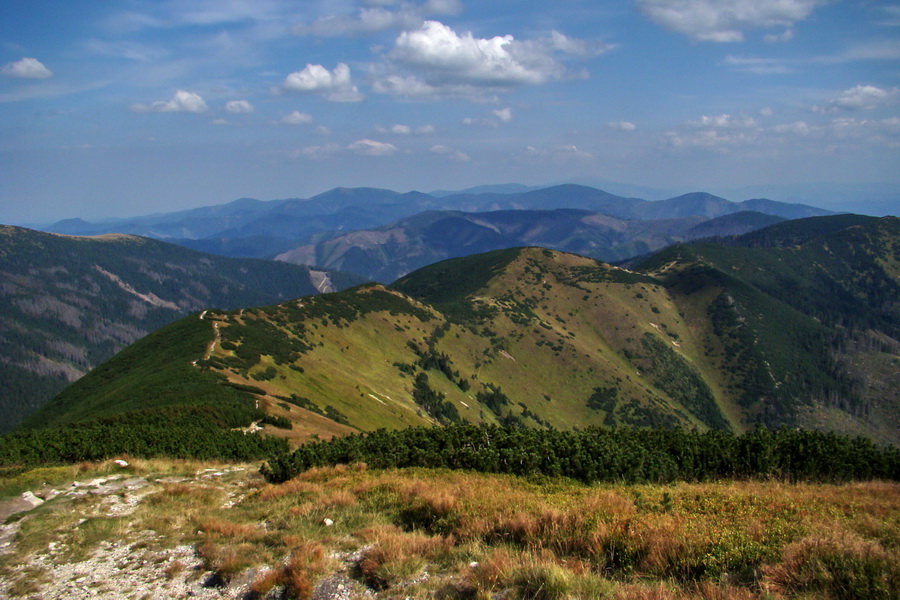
604, 455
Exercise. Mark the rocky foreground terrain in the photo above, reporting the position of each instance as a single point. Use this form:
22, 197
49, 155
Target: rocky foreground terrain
84, 539
144, 530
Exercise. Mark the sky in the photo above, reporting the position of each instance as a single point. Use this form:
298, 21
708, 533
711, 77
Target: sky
130, 107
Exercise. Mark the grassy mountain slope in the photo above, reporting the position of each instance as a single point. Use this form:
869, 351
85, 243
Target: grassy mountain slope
699, 336
69, 303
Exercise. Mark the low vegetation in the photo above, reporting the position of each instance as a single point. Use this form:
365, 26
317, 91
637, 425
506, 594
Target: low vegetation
426, 533
600, 455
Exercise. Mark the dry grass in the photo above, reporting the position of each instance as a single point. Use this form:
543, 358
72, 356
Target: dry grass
456, 535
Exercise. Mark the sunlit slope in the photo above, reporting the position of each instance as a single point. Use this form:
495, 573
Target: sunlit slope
534, 337
700, 337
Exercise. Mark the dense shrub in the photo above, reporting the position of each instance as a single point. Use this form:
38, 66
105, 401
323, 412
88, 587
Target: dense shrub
604, 455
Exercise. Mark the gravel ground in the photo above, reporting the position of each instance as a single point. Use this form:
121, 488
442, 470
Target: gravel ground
143, 568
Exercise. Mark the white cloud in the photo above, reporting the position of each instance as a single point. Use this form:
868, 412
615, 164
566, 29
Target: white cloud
724, 121
559, 154
397, 129
316, 152
445, 57
622, 125
322, 130
454, 155
795, 128
775, 38
863, 97
504, 114
316, 79
434, 61
26, 68
238, 107
757, 66
369, 147
408, 87
297, 118
182, 102
376, 17
450, 57
425, 130
725, 20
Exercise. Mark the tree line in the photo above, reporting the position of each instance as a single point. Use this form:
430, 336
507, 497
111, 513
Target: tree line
604, 455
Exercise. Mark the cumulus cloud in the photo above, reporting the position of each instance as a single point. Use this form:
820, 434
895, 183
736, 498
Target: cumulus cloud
454, 155
316, 79
379, 16
26, 68
445, 63
863, 97
622, 125
238, 107
725, 20
182, 102
369, 147
297, 118
438, 50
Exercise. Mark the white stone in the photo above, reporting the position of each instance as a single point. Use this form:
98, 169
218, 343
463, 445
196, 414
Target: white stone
327, 522
120, 462
31, 499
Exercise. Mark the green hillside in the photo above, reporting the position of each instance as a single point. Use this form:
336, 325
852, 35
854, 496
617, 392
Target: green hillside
703, 337
69, 303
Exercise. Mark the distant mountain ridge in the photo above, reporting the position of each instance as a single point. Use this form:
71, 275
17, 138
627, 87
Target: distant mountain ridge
387, 253
68, 303
266, 228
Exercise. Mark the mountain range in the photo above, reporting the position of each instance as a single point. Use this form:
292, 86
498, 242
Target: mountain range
253, 228
69, 303
387, 253
794, 325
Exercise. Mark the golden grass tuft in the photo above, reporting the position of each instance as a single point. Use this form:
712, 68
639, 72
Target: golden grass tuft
303, 568
265, 581
836, 565
394, 556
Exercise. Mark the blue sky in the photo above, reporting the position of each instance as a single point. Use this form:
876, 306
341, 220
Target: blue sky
118, 108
